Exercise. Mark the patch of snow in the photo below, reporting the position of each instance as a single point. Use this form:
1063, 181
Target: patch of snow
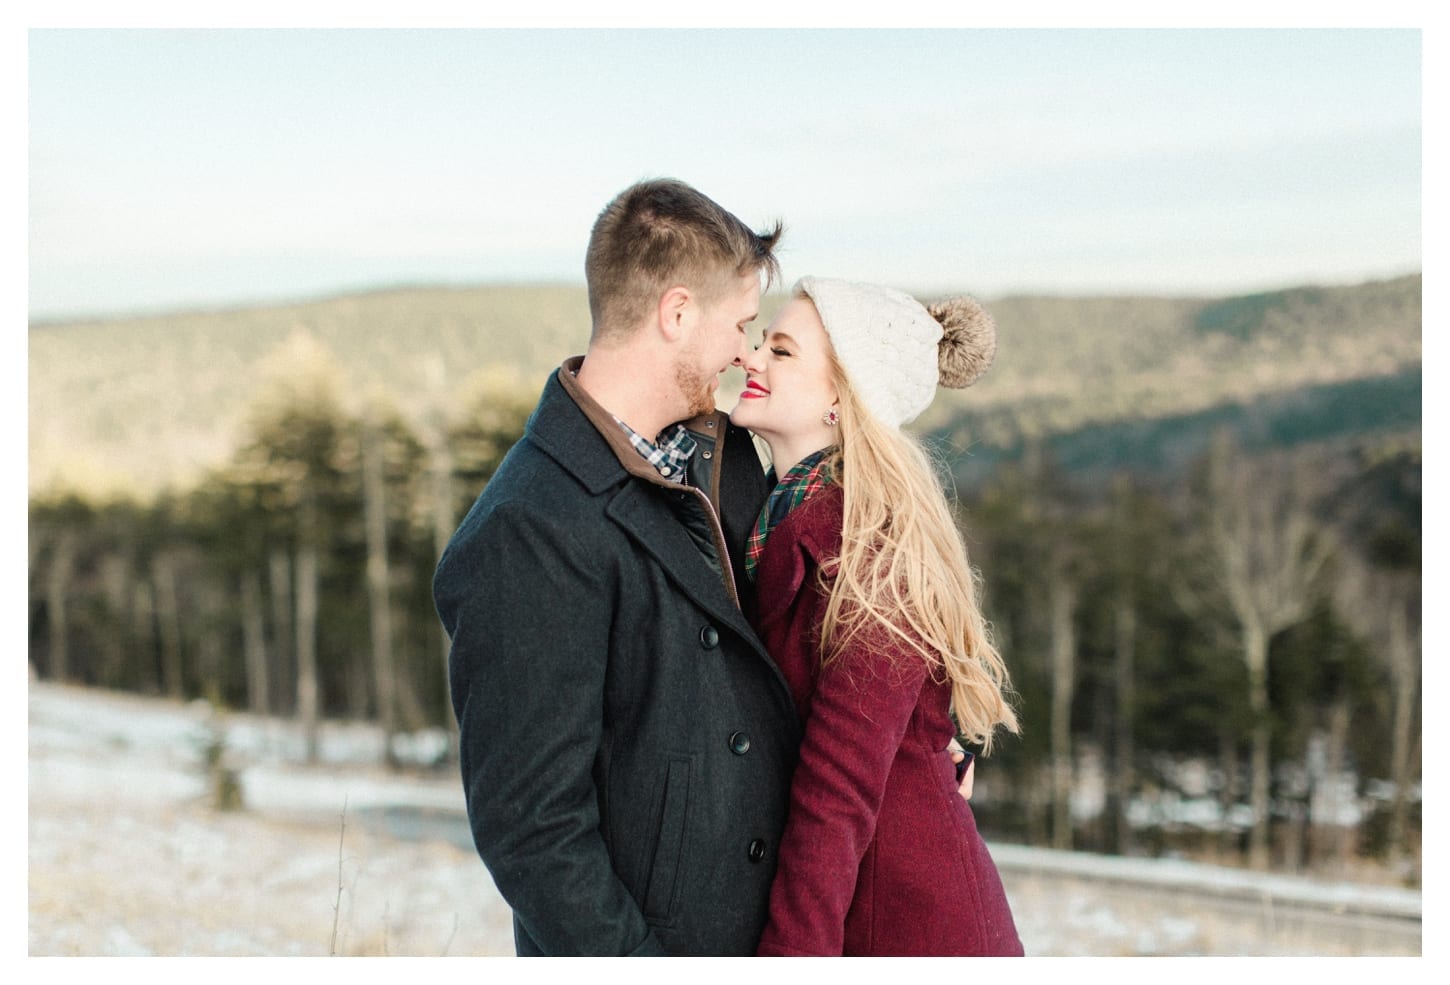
127, 856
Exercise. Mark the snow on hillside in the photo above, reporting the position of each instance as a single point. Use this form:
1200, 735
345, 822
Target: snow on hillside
127, 856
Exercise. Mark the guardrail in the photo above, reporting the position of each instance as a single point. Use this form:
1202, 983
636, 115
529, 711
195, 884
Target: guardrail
1213, 880
1073, 903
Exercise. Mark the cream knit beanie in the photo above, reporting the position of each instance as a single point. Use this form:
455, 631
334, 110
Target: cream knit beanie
894, 350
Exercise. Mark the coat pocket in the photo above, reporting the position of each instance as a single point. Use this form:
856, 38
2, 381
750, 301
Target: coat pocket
669, 848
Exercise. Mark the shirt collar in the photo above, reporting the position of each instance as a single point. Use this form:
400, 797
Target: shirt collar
669, 453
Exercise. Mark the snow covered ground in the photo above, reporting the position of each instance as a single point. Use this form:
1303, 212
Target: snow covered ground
127, 856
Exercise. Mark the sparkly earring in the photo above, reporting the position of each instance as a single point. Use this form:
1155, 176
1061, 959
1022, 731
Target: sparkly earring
830, 417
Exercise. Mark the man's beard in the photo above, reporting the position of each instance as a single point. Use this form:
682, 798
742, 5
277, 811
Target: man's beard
694, 387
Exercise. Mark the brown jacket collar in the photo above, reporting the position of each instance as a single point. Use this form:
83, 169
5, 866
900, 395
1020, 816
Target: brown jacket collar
711, 426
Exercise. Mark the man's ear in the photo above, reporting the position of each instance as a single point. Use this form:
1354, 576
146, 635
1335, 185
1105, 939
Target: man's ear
674, 311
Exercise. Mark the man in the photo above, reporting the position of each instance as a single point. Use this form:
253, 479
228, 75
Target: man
626, 742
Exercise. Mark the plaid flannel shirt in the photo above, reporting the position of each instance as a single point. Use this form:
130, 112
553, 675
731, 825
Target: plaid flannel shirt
669, 453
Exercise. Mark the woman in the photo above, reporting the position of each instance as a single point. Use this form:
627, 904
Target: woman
867, 602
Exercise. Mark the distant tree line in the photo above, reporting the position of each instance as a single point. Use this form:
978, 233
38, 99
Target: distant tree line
1254, 624
294, 581
1259, 616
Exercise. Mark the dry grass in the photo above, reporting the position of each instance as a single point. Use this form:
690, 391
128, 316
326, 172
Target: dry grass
108, 879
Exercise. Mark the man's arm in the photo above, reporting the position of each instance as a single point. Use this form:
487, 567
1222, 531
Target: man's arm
529, 615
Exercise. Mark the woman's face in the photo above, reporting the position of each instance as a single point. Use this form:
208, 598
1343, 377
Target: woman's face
788, 386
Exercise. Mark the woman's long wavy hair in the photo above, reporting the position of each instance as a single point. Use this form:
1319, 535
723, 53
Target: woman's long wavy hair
903, 569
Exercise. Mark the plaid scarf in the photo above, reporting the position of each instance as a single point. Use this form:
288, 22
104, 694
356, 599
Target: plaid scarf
804, 478
670, 455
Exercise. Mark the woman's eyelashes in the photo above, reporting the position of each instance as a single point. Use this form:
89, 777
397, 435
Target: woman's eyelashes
775, 350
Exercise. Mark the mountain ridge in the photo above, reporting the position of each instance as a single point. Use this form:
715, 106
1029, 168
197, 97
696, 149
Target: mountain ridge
140, 403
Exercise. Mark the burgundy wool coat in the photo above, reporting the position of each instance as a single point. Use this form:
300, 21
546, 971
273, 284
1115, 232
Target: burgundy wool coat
881, 854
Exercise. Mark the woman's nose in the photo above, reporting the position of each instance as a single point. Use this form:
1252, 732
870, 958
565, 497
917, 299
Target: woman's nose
753, 362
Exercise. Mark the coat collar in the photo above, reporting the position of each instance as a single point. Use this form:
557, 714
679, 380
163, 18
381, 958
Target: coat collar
807, 538
582, 436
572, 428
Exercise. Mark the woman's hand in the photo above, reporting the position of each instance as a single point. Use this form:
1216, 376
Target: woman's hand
959, 754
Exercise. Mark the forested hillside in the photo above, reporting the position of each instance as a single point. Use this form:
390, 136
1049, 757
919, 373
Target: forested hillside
133, 404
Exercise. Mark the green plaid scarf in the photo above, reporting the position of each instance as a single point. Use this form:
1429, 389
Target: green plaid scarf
804, 478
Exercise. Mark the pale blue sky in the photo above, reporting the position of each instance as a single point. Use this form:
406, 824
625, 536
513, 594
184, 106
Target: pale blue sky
178, 168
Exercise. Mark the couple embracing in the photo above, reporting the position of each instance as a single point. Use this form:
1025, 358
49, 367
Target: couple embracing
708, 709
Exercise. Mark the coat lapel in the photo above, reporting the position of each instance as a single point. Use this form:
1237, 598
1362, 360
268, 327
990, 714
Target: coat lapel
779, 586
798, 546
652, 523
561, 429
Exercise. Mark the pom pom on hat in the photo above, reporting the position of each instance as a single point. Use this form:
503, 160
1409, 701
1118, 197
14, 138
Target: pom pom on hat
968, 343
894, 350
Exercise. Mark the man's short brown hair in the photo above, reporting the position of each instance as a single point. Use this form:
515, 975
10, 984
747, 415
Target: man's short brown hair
662, 232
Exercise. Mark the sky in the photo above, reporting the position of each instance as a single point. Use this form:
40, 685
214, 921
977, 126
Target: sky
173, 169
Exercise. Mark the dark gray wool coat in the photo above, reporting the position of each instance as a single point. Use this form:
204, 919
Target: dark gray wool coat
626, 741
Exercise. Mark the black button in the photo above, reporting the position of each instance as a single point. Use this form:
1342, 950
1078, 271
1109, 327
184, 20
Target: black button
739, 743
757, 850
709, 638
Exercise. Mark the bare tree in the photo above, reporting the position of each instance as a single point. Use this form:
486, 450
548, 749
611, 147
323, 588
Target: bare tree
308, 687
293, 457
1383, 606
207, 617
1403, 655
168, 614
1327, 836
1062, 601
440, 492
1125, 644
284, 637
143, 614
57, 590
115, 575
379, 604
1057, 557
1268, 554
1229, 764
444, 520
254, 645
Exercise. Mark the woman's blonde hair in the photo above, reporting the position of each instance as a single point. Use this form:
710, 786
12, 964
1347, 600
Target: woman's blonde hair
903, 569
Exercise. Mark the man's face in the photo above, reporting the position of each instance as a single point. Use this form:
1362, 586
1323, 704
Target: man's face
718, 341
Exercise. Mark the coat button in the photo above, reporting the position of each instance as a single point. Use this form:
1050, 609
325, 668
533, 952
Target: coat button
709, 638
757, 850
739, 743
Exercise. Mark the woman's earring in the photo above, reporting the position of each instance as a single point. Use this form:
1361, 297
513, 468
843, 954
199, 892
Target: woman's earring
830, 417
